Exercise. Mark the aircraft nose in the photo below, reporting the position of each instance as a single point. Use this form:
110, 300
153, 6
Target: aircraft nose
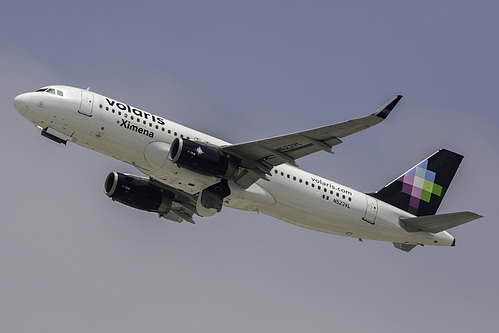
22, 103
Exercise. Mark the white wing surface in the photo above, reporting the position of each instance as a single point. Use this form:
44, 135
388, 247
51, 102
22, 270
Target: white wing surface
260, 156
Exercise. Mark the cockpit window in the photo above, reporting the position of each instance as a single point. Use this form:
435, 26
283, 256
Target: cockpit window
51, 91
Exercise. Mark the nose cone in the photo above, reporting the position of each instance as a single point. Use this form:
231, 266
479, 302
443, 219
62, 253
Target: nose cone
22, 103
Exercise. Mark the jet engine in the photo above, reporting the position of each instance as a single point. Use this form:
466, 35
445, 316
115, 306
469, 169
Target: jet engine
202, 159
138, 193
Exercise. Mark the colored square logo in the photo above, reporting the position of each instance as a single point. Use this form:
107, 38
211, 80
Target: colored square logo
419, 183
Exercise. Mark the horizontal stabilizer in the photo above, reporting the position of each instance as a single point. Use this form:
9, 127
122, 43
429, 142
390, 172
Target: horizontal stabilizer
437, 223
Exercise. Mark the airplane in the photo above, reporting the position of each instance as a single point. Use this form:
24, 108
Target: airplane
190, 173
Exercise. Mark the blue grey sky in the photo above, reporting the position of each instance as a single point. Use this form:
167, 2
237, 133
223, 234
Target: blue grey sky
74, 261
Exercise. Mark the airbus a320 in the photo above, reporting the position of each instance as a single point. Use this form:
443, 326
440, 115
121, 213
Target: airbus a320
189, 173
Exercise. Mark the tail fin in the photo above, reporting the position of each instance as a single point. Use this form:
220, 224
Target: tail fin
420, 190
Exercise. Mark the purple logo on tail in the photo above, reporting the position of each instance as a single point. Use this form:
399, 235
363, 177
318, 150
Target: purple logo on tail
419, 183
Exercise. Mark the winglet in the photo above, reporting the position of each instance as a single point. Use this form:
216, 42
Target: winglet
385, 110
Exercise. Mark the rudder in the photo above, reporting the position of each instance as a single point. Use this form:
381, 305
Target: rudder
420, 190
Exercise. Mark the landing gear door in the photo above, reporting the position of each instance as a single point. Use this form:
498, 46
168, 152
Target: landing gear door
371, 210
87, 103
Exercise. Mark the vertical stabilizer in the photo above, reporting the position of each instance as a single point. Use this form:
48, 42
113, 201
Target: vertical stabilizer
420, 190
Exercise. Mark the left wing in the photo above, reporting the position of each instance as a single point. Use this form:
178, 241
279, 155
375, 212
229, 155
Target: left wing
259, 157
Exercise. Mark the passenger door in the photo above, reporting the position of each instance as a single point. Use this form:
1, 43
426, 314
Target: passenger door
87, 103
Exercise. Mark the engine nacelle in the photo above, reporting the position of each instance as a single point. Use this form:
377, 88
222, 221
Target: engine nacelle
202, 159
134, 192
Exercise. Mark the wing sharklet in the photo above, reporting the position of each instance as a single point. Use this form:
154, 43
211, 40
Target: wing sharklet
385, 110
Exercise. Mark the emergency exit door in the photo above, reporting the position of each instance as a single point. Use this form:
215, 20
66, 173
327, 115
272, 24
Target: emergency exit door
371, 210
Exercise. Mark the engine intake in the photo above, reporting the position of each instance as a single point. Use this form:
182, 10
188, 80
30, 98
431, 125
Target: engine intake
140, 194
202, 159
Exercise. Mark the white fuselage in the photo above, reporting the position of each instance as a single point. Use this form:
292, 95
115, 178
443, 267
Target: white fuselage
142, 139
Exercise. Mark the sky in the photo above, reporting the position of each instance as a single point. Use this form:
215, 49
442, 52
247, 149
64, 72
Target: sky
72, 260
